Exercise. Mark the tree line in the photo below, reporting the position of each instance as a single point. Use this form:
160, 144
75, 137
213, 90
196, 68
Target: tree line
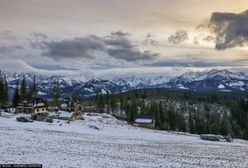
128, 105
23, 92
4, 95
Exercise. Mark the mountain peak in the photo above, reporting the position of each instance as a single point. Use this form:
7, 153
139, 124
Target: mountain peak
78, 86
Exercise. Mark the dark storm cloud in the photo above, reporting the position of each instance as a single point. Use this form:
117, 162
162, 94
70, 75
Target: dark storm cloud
182, 63
39, 35
7, 49
7, 35
131, 54
116, 45
119, 46
231, 29
120, 33
209, 39
198, 64
150, 40
73, 48
178, 37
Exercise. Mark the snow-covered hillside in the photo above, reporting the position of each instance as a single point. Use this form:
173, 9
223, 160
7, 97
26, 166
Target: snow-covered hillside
106, 142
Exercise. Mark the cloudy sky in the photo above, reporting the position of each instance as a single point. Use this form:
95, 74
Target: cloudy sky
105, 37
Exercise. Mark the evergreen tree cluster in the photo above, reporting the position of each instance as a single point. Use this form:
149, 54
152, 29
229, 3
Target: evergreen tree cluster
4, 96
24, 92
128, 105
56, 94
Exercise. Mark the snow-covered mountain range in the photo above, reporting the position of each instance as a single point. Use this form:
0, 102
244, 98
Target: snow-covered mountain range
77, 85
211, 80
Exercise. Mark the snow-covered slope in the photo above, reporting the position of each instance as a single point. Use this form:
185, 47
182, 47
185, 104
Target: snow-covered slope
107, 142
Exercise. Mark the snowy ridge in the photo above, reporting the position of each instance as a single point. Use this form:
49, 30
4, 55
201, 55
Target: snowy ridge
78, 86
211, 80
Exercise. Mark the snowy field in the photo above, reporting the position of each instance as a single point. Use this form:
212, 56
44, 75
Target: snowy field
107, 142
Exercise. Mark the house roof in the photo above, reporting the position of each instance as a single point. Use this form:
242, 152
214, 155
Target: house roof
65, 114
143, 119
26, 107
39, 105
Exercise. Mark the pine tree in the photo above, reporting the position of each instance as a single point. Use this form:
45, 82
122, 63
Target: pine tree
214, 123
113, 104
6, 92
124, 103
97, 100
225, 124
161, 112
165, 118
133, 109
199, 123
2, 90
191, 124
181, 122
129, 113
144, 94
33, 90
107, 102
172, 116
23, 89
157, 93
56, 94
142, 107
16, 96
158, 115
245, 133
101, 103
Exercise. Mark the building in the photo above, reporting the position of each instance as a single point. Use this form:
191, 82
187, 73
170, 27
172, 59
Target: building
77, 108
70, 116
39, 107
65, 115
67, 104
71, 105
146, 121
24, 107
28, 107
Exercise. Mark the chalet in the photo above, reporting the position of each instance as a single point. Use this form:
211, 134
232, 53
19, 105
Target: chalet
28, 107
146, 121
39, 107
65, 115
70, 105
24, 107
67, 104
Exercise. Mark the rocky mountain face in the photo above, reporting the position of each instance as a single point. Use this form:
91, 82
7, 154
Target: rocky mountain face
76, 85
